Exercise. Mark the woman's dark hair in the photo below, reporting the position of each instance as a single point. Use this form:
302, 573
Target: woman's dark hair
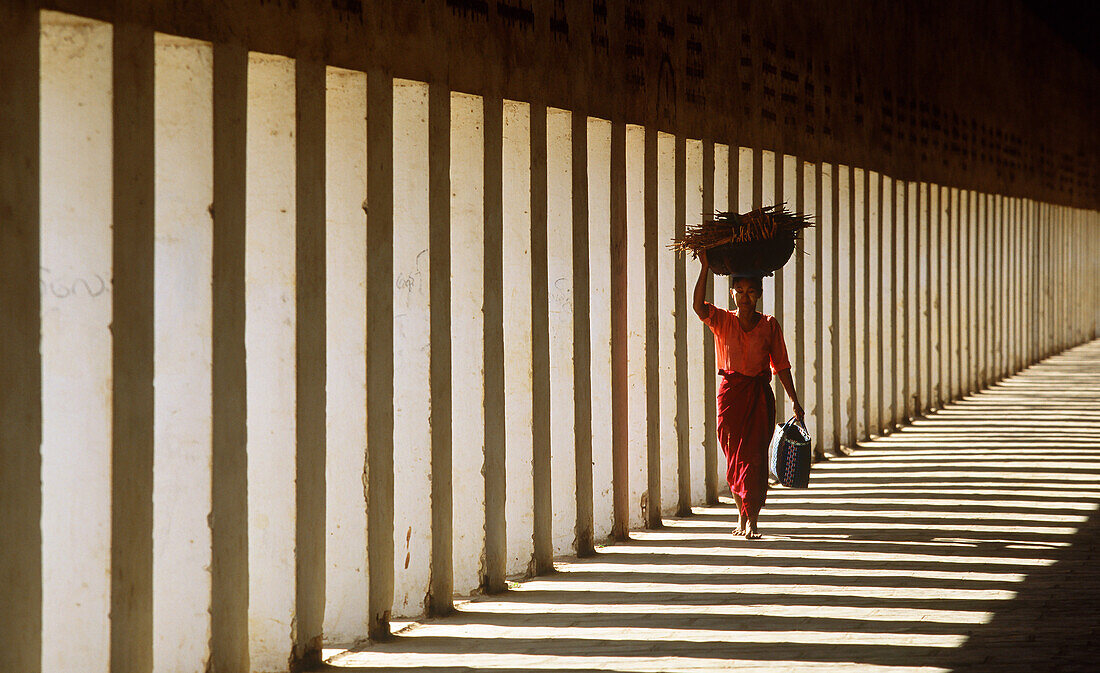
756, 281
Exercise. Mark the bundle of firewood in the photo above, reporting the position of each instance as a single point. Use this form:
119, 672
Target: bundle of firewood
770, 223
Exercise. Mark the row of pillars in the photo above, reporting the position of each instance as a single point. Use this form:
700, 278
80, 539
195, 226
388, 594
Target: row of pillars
291, 351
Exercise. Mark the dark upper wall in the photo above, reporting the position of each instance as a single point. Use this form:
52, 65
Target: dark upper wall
974, 93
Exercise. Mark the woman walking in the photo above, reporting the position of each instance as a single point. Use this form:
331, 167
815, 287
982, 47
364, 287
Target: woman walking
749, 348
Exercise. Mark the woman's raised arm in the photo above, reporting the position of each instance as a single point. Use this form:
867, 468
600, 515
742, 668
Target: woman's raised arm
700, 297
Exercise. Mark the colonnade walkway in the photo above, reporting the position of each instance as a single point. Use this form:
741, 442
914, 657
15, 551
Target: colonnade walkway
966, 541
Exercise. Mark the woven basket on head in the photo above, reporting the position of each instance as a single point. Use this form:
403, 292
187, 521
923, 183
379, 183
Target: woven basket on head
753, 244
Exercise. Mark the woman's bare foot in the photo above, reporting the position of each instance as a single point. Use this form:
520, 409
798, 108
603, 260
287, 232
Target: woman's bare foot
740, 530
751, 531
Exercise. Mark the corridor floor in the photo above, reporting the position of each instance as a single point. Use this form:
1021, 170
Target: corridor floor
967, 541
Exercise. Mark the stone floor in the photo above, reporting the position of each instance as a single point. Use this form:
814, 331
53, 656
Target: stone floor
967, 541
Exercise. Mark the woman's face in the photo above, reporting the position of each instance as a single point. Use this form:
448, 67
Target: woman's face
745, 294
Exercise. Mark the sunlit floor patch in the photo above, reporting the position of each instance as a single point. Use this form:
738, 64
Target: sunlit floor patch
682, 569
880, 592
875, 614
640, 663
644, 634
774, 523
930, 549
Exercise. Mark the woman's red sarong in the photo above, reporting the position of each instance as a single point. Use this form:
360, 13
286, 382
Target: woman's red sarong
746, 406
746, 414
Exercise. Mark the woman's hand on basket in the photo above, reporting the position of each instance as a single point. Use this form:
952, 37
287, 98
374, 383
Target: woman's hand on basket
703, 259
799, 414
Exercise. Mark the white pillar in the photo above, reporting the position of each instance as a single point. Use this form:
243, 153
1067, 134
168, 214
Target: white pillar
1018, 284
746, 201
774, 196
924, 296
900, 280
722, 186
936, 286
75, 265
886, 360
872, 303
270, 342
636, 324
467, 338
516, 206
764, 195
1050, 223
599, 269
652, 386
810, 339
183, 314
696, 332
1030, 247
1062, 318
1000, 322
346, 399
412, 344
670, 380
860, 275
954, 297
846, 332
791, 318
826, 294
559, 237
1050, 300
972, 297
708, 365
988, 286
945, 274
912, 294
719, 297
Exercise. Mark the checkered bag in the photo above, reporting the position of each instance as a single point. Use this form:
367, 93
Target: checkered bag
789, 454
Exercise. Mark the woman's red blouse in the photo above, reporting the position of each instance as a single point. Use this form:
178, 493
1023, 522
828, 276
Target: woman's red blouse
750, 353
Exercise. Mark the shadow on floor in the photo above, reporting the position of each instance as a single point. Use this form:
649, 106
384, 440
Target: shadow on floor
964, 542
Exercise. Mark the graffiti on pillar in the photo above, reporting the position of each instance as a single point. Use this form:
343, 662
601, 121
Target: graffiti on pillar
412, 282
91, 285
561, 296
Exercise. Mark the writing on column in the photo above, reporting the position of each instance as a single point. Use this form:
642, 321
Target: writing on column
90, 285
